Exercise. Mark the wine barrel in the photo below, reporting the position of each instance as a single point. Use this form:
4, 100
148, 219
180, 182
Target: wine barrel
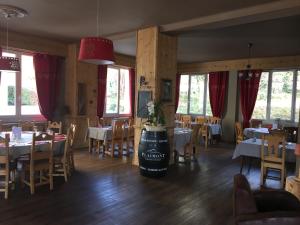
154, 153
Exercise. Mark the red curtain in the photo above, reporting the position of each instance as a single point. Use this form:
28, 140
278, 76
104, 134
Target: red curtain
177, 89
248, 93
132, 90
102, 77
47, 69
218, 83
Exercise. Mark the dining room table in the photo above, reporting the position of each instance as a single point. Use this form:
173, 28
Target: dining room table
213, 129
22, 146
255, 132
252, 148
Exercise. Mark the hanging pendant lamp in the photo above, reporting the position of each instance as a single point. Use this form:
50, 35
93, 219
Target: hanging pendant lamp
10, 64
96, 50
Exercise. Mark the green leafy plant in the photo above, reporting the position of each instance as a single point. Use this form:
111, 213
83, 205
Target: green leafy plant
155, 114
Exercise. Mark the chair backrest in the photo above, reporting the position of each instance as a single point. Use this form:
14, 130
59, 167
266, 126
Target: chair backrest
26, 125
200, 119
93, 122
70, 139
177, 116
45, 154
274, 143
118, 130
186, 121
291, 134
55, 126
4, 142
130, 131
106, 121
195, 133
215, 120
238, 132
254, 123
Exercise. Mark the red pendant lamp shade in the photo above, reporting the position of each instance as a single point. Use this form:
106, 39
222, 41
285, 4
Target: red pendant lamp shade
96, 50
9, 63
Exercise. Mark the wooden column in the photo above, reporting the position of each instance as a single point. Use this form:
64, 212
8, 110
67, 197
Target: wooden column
156, 59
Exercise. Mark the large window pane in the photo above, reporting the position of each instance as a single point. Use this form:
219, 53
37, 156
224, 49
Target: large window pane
297, 106
112, 90
8, 93
29, 98
124, 92
183, 94
260, 109
281, 95
197, 94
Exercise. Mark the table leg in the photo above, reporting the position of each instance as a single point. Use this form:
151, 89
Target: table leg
242, 164
90, 144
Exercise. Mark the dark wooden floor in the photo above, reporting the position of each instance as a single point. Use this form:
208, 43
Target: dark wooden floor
111, 191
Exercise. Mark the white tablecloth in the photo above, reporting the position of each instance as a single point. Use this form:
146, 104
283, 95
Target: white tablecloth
213, 129
182, 137
23, 146
250, 148
102, 133
255, 132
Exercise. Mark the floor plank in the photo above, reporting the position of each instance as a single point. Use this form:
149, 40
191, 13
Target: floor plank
111, 191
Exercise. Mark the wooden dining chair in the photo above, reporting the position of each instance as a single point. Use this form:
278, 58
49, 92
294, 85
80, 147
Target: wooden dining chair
116, 140
40, 166
55, 126
200, 120
215, 120
239, 136
204, 134
273, 158
186, 121
73, 129
105, 121
193, 146
177, 116
130, 135
255, 123
26, 125
62, 164
7, 168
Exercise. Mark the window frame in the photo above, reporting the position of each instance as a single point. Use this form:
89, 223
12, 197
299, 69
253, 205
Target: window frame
118, 114
269, 93
189, 94
18, 116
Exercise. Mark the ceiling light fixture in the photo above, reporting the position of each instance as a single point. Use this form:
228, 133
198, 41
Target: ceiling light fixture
11, 64
248, 73
97, 50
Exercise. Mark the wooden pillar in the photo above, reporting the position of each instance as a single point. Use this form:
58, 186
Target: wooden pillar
156, 59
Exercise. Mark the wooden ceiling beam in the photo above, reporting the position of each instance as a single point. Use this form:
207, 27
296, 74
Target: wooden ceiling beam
278, 9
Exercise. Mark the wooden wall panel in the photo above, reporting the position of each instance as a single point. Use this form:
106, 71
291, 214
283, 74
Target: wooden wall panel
239, 64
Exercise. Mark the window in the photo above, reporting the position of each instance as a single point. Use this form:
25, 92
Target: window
193, 95
18, 91
117, 91
278, 96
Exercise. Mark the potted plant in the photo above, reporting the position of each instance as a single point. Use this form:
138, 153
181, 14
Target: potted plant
156, 118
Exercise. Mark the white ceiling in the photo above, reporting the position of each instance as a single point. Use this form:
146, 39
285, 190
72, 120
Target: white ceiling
69, 20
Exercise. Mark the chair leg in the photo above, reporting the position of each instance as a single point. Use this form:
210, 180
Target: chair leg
6, 185
65, 172
32, 187
242, 164
262, 175
282, 178
51, 178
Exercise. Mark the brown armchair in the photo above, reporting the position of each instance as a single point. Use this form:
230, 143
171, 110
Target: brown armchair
263, 207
